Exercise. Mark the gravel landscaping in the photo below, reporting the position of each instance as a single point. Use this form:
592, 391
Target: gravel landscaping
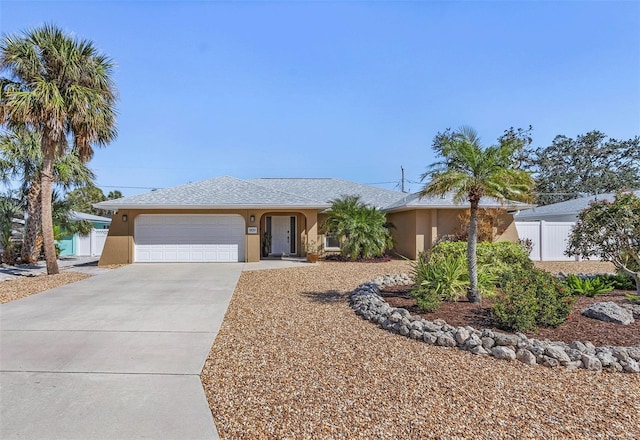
21, 287
292, 360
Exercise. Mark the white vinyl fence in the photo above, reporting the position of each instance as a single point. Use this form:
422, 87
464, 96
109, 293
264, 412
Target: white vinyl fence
549, 239
92, 244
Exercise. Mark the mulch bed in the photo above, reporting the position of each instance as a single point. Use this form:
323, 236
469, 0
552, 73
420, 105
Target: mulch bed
577, 328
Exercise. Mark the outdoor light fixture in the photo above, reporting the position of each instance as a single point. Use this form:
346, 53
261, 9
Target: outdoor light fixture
252, 218
125, 218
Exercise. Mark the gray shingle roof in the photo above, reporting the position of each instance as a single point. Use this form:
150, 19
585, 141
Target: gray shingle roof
325, 190
230, 192
413, 201
568, 207
219, 192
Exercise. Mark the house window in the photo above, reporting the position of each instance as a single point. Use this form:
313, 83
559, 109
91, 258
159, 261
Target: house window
331, 241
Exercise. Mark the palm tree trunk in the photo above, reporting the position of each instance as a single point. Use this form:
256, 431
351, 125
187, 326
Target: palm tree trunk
48, 149
473, 294
30, 249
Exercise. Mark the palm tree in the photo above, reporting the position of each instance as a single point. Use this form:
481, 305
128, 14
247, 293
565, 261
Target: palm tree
472, 172
61, 88
9, 211
363, 230
21, 159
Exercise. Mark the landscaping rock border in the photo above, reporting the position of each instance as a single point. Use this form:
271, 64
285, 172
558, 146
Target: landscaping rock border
366, 301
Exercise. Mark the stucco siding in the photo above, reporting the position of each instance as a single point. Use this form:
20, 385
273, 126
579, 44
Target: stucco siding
403, 233
119, 246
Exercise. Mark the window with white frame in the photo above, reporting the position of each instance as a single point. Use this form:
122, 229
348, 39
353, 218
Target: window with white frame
331, 241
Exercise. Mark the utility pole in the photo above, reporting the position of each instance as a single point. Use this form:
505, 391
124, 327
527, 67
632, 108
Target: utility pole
402, 169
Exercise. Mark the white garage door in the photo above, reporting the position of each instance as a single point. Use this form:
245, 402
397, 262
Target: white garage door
189, 238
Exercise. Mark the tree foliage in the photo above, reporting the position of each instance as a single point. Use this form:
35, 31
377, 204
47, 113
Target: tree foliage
82, 199
472, 171
363, 230
9, 210
588, 164
21, 159
611, 231
61, 88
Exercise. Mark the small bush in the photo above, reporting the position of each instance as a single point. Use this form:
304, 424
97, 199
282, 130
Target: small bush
531, 298
588, 286
621, 281
444, 278
501, 257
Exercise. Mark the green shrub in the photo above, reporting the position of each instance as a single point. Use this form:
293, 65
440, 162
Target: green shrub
621, 281
531, 298
499, 257
444, 277
588, 286
633, 298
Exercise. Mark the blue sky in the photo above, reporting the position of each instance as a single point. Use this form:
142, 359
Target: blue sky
352, 90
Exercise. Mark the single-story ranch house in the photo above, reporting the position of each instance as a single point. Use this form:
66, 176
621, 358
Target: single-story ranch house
229, 219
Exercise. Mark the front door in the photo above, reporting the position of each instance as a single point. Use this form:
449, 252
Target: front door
283, 235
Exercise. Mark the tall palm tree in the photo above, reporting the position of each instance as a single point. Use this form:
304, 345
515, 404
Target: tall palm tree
21, 159
472, 172
62, 88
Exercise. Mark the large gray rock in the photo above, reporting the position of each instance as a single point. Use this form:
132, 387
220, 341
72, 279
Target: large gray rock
634, 352
461, 335
446, 340
526, 357
633, 308
502, 352
559, 354
506, 339
429, 338
591, 362
609, 312
630, 366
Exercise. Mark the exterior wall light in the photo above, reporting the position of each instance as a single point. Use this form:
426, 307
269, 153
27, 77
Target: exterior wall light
252, 218
125, 218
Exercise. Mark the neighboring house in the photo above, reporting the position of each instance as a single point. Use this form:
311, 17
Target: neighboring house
566, 211
549, 227
85, 245
229, 219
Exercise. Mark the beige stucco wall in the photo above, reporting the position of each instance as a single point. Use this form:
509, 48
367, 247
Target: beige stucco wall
416, 230
119, 246
403, 232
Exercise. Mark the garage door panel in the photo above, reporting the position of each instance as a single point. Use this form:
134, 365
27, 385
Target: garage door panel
185, 238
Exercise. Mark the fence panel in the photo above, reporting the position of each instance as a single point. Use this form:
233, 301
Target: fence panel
84, 245
100, 237
549, 239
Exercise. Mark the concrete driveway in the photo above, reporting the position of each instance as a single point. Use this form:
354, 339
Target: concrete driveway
115, 356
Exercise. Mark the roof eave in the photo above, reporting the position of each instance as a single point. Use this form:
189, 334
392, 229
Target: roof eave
409, 207
110, 207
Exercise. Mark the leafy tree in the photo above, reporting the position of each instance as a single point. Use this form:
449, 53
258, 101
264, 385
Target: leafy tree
472, 171
62, 218
62, 88
611, 231
21, 159
82, 199
364, 230
588, 164
114, 195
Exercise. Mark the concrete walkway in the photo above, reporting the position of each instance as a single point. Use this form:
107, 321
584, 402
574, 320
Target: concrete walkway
115, 356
